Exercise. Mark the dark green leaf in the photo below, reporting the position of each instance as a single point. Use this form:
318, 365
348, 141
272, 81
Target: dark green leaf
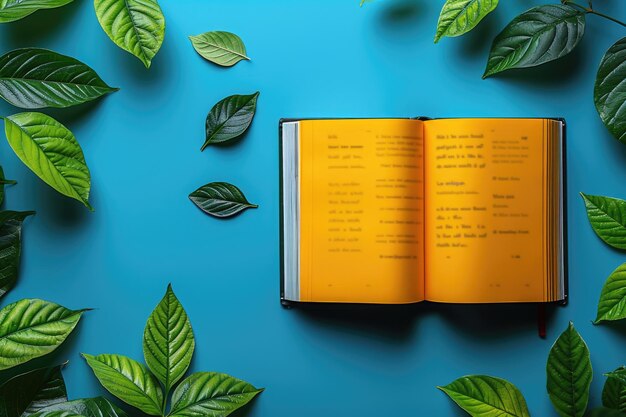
608, 218
610, 89
10, 250
614, 393
221, 48
88, 407
168, 341
211, 394
51, 151
28, 393
33, 78
3, 182
31, 328
540, 35
10, 215
12, 10
606, 412
569, 374
129, 381
220, 199
612, 304
460, 16
229, 118
55, 414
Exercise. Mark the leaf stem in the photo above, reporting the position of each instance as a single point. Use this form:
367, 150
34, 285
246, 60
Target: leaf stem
591, 10
8, 182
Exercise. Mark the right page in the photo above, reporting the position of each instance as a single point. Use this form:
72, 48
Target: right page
485, 208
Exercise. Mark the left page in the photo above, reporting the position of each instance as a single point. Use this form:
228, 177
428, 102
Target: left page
361, 211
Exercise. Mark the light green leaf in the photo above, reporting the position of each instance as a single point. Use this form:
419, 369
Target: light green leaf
614, 392
486, 396
33, 78
136, 26
221, 48
211, 394
220, 199
10, 250
229, 118
3, 182
129, 381
51, 151
540, 35
31, 328
460, 16
609, 93
569, 374
168, 341
608, 218
12, 10
32, 391
612, 304
88, 407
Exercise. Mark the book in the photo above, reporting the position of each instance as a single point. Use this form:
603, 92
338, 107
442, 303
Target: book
395, 211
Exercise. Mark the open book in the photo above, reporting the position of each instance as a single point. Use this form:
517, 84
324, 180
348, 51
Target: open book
397, 211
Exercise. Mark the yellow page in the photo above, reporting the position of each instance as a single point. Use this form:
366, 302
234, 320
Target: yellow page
485, 210
361, 211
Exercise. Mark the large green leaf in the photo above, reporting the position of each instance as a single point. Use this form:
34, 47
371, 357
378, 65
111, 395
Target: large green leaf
12, 10
3, 182
608, 218
486, 396
610, 89
614, 392
221, 48
220, 199
229, 118
31, 328
211, 394
612, 304
88, 407
168, 341
460, 16
136, 26
10, 251
51, 151
33, 78
569, 374
129, 381
540, 35
32, 391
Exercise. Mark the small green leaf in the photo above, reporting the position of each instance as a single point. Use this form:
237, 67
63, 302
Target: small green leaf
612, 304
168, 341
129, 381
222, 48
10, 215
51, 151
211, 394
136, 26
614, 393
32, 391
10, 251
220, 199
540, 35
33, 78
569, 374
229, 118
88, 407
608, 218
31, 328
486, 396
3, 182
12, 10
460, 16
609, 93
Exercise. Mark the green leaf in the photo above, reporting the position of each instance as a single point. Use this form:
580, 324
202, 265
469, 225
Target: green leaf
33, 78
486, 396
569, 374
614, 392
12, 10
136, 26
3, 182
612, 304
55, 414
229, 118
460, 16
606, 412
88, 407
220, 199
540, 35
168, 341
608, 218
51, 151
28, 393
31, 328
609, 93
222, 48
129, 381
10, 251
10, 215
211, 394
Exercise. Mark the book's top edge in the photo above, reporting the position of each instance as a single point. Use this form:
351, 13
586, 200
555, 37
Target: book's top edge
295, 119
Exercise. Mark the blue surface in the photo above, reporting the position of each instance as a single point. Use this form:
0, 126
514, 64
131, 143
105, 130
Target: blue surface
309, 58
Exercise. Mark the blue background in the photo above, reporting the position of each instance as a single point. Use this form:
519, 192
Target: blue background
309, 58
